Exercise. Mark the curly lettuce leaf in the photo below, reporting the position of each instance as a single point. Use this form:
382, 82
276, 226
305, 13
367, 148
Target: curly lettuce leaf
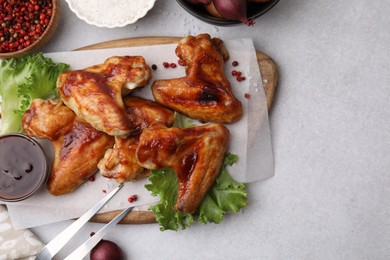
21, 81
226, 195
164, 183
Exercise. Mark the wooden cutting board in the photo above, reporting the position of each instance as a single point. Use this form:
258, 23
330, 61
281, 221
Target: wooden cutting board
269, 74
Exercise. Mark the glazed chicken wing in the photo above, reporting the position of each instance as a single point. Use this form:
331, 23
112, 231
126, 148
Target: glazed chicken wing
78, 146
204, 93
196, 154
95, 93
120, 162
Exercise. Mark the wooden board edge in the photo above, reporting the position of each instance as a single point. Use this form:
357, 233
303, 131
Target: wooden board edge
132, 42
270, 77
269, 74
134, 217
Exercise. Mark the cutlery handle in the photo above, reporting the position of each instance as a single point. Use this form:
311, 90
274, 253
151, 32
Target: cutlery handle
55, 245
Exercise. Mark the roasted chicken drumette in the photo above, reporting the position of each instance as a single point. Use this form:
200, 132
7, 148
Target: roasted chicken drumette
120, 162
78, 147
95, 93
204, 93
195, 153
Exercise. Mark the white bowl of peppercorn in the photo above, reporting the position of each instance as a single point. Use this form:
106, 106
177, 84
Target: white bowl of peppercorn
25, 26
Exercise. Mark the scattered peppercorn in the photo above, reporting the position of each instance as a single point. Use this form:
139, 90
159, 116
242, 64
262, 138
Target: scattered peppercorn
92, 234
104, 191
19, 19
247, 95
91, 178
154, 67
169, 65
238, 75
235, 63
240, 78
132, 198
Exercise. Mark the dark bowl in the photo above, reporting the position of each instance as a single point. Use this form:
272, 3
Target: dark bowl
254, 10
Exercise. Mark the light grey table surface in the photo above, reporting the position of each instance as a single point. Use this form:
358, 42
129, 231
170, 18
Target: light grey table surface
330, 129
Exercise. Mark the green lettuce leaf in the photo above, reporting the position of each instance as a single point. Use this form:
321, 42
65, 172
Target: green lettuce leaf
226, 195
21, 81
164, 183
182, 121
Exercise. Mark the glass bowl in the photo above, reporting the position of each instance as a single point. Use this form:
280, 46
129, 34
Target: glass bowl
23, 167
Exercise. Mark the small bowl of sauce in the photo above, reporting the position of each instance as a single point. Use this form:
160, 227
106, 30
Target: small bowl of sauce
23, 167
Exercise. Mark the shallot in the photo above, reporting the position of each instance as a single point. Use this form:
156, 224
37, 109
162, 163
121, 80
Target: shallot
234, 10
106, 250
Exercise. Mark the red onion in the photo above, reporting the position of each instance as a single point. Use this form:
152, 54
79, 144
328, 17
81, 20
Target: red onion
199, 2
106, 250
233, 9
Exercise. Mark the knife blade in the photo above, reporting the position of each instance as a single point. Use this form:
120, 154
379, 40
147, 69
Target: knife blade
57, 243
87, 246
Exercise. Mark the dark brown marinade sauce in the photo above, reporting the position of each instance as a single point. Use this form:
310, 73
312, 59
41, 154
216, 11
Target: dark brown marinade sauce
22, 167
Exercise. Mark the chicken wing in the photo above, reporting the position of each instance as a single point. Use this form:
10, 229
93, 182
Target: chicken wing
95, 93
78, 146
47, 119
196, 154
120, 162
204, 93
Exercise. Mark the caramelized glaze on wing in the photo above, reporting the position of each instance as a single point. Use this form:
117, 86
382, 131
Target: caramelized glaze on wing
204, 93
78, 146
196, 154
95, 93
120, 162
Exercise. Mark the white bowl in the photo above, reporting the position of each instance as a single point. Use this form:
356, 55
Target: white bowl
110, 13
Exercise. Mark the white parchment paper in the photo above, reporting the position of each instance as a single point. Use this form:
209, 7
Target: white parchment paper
250, 136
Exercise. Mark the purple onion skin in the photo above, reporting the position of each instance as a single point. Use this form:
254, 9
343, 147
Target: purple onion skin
106, 250
233, 10
199, 2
